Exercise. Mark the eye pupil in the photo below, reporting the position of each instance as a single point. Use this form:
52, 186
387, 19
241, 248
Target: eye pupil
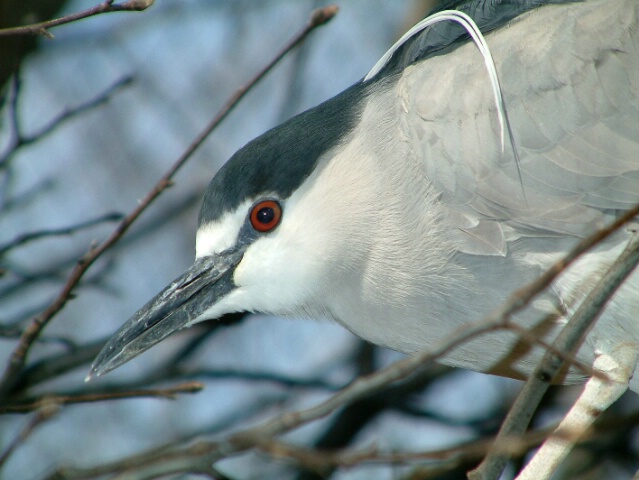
265, 215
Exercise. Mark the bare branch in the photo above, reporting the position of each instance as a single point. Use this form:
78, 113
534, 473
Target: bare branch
257, 376
20, 140
191, 457
570, 337
105, 7
53, 232
319, 460
38, 403
68, 114
16, 84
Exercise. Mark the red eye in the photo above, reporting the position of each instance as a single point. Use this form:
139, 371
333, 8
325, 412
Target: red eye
266, 215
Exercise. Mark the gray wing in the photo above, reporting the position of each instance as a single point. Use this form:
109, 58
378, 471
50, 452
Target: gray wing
443, 37
569, 75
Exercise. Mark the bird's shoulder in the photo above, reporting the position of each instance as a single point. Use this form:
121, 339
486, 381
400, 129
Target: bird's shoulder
571, 89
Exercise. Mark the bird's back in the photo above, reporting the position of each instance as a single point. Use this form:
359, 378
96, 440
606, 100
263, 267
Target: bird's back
569, 76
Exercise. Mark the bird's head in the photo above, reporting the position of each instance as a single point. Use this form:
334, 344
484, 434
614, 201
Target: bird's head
262, 236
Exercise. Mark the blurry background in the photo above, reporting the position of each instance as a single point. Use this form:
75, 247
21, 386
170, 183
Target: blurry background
185, 58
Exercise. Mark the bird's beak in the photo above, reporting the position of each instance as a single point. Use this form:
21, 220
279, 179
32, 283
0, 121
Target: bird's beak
175, 307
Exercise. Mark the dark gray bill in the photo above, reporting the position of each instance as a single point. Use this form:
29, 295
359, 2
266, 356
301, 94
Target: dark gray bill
185, 299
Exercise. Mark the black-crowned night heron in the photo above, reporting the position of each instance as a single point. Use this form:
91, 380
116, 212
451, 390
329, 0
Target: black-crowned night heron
418, 199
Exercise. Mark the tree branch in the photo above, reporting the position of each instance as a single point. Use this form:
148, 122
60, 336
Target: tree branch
552, 364
20, 140
107, 6
31, 404
53, 232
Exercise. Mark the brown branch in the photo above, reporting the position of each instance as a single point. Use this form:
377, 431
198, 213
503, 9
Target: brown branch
320, 460
194, 457
565, 356
18, 357
187, 457
568, 340
53, 232
60, 364
38, 403
20, 140
522, 297
107, 6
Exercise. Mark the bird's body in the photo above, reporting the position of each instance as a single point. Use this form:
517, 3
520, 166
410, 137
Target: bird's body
440, 229
482, 232
401, 210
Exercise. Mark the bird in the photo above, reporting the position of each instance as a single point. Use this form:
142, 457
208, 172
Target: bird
486, 143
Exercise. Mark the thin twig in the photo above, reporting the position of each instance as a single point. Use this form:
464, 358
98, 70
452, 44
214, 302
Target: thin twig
24, 198
18, 357
319, 460
257, 376
53, 232
107, 6
16, 85
38, 403
56, 365
20, 140
67, 114
522, 297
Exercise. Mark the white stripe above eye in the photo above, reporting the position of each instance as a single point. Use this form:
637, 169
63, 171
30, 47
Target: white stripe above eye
220, 235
